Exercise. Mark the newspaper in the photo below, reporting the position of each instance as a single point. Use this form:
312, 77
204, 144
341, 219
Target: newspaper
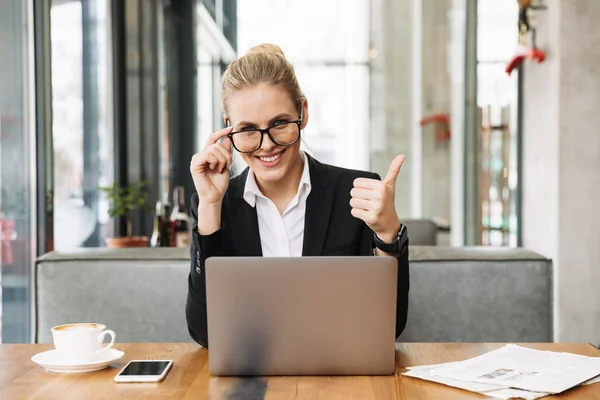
593, 380
515, 394
522, 368
490, 390
424, 372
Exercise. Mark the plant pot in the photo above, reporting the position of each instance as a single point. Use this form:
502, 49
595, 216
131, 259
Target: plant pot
127, 241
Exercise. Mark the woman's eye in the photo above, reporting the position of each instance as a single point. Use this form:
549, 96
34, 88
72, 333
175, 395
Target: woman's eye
247, 128
280, 122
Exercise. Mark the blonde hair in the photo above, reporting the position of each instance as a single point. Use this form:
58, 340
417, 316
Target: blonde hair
264, 63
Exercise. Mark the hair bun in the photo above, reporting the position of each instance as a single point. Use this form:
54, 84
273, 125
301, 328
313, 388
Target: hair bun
266, 48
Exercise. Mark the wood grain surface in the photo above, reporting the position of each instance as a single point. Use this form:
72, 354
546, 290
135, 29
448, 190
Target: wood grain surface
20, 378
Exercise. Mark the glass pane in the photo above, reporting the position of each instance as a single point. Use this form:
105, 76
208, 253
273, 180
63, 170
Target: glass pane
333, 30
82, 130
15, 168
330, 49
338, 113
497, 32
206, 94
230, 21
497, 98
210, 67
211, 7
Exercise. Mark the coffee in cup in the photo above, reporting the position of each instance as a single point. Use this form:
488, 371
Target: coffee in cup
80, 343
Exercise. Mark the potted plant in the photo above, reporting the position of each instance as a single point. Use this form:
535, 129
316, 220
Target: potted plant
124, 200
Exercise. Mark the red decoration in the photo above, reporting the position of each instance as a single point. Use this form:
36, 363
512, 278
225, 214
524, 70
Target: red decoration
442, 125
524, 52
7, 228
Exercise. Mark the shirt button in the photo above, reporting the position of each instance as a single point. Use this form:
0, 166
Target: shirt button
198, 271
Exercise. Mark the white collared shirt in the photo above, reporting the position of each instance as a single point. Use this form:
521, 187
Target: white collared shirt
281, 235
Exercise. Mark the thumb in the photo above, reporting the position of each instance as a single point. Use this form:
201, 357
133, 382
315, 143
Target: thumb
392, 174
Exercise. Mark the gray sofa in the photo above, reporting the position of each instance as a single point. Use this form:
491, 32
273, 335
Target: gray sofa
457, 294
422, 232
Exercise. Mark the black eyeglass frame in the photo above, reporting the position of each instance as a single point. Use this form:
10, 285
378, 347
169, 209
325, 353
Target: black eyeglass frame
298, 122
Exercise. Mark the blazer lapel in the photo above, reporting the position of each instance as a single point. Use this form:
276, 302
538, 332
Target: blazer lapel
244, 222
318, 209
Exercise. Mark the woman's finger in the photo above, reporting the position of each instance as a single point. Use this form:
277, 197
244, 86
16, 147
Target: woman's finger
361, 204
363, 215
366, 183
211, 158
215, 136
367, 194
226, 143
199, 162
212, 161
218, 159
219, 147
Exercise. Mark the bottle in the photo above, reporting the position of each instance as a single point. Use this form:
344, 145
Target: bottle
168, 234
162, 234
157, 233
180, 219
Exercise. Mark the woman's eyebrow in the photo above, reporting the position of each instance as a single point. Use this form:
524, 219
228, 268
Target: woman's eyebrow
278, 116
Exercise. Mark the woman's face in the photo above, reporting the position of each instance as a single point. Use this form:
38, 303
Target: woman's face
263, 106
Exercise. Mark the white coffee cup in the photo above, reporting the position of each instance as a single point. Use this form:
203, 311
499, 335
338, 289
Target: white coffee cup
81, 343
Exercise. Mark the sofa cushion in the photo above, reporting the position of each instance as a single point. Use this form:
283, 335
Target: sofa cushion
479, 294
139, 293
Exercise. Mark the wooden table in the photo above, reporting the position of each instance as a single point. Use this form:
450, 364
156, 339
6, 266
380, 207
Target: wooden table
20, 378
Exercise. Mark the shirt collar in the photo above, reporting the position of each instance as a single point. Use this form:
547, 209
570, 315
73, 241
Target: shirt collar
251, 190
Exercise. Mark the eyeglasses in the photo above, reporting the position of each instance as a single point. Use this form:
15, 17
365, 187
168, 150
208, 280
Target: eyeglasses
282, 133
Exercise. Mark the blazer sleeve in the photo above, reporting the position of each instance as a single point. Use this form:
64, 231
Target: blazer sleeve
403, 279
201, 248
402, 291
403, 285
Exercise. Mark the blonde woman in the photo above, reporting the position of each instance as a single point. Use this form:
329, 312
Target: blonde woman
285, 203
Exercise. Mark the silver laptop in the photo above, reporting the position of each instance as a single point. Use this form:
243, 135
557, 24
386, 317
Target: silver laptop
301, 316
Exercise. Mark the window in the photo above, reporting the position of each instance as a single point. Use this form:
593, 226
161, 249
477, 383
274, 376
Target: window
17, 240
82, 130
497, 98
214, 52
209, 88
324, 48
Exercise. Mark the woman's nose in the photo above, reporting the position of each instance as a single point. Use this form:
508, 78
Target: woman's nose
267, 143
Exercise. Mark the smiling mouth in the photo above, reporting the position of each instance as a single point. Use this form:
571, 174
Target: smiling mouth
272, 158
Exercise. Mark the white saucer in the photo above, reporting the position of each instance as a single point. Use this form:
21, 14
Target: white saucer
52, 362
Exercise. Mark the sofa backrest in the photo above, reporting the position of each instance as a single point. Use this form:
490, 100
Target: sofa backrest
479, 294
421, 232
139, 293
457, 294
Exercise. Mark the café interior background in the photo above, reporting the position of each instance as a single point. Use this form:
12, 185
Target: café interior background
100, 91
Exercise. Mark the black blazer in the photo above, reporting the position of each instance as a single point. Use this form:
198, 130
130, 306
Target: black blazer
329, 230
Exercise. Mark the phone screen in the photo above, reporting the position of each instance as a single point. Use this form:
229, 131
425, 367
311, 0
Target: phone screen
144, 368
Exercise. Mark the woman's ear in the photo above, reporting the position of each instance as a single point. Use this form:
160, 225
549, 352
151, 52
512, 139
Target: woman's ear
304, 108
225, 120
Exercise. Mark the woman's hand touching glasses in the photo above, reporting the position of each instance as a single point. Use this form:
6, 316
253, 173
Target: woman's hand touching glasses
210, 172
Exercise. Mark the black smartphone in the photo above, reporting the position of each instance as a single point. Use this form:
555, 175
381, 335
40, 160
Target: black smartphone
144, 371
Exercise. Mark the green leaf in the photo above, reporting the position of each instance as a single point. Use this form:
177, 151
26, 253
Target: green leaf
123, 200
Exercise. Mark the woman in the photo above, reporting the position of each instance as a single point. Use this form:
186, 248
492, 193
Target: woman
286, 203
